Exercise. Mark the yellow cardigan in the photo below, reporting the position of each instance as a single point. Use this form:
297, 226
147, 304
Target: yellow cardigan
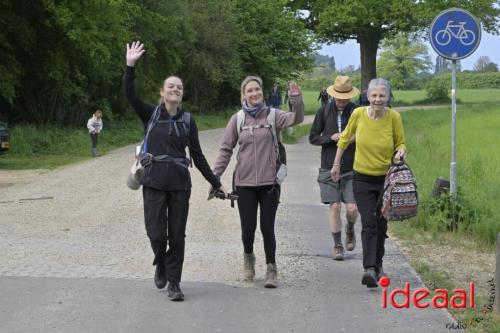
376, 140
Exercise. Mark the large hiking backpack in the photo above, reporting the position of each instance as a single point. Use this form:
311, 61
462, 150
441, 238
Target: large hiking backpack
281, 169
400, 197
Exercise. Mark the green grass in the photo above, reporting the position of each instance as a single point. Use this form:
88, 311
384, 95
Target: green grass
428, 139
465, 96
416, 97
293, 134
47, 147
478, 320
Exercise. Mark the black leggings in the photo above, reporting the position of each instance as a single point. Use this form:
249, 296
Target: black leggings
367, 190
93, 138
249, 200
165, 215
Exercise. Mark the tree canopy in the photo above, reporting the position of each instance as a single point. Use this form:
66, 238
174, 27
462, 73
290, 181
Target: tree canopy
401, 59
371, 21
63, 59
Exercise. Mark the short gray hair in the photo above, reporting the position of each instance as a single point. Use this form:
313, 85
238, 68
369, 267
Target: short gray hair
379, 82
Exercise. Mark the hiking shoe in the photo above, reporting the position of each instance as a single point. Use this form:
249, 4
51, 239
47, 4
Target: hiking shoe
174, 292
350, 240
338, 252
249, 266
271, 276
369, 278
160, 275
380, 273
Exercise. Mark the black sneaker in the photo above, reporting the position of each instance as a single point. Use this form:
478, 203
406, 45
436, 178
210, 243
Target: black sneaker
160, 276
174, 292
380, 273
369, 278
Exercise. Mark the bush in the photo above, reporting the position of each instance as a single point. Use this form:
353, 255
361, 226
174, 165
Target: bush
437, 91
472, 80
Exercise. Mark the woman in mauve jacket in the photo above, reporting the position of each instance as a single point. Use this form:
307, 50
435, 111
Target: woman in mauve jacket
255, 174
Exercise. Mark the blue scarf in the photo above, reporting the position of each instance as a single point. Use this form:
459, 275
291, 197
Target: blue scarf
252, 110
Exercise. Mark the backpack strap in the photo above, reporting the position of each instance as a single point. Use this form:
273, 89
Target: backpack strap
326, 110
186, 123
240, 120
271, 120
152, 122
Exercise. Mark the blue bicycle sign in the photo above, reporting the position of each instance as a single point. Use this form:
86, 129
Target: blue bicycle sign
455, 34
465, 36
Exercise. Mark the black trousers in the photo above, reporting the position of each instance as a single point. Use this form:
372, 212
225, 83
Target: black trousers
165, 216
367, 190
93, 138
250, 198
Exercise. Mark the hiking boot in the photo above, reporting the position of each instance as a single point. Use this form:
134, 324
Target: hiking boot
380, 273
350, 240
369, 278
249, 266
160, 275
338, 252
174, 292
94, 152
271, 276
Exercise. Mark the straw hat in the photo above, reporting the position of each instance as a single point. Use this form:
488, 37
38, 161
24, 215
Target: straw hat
342, 88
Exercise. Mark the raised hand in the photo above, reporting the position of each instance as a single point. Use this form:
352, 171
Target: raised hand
293, 89
134, 52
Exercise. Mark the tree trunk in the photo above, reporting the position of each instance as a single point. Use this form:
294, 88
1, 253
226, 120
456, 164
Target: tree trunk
368, 45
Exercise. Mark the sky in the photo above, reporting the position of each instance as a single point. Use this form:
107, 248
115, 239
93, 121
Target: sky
348, 53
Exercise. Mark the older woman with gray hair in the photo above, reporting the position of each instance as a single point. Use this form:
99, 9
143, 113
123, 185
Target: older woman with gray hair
379, 137
255, 177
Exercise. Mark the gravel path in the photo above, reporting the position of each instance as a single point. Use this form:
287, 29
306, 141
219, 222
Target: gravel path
82, 221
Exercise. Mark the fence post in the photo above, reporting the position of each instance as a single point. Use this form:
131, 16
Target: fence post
497, 277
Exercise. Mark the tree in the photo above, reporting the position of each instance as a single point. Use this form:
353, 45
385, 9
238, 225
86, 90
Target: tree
484, 64
444, 65
401, 59
370, 21
272, 42
63, 59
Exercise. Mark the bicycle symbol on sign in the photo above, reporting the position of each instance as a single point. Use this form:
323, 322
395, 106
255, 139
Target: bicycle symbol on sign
466, 37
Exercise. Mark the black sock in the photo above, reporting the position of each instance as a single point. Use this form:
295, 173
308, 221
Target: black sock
337, 238
350, 226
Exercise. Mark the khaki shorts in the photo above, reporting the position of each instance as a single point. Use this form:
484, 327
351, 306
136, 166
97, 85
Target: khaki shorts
331, 191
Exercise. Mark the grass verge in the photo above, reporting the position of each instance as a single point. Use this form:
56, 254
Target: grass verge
47, 147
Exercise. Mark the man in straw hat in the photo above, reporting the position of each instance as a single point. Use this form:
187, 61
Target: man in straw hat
329, 122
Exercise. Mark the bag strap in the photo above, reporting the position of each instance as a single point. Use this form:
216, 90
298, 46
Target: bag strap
152, 122
186, 117
326, 110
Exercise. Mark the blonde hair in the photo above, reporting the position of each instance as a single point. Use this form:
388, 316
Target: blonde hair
247, 80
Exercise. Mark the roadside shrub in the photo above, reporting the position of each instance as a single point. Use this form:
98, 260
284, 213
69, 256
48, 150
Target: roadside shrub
437, 91
452, 213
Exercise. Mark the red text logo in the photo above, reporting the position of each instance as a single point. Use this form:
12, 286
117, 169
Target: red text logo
440, 298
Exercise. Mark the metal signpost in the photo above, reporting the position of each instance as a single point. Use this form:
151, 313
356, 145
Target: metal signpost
455, 34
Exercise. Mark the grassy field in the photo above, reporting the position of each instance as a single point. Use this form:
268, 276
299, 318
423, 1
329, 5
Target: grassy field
428, 137
47, 147
417, 97
464, 96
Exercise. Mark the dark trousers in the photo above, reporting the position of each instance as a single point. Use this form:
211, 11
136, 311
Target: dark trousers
250, 198
367, 190
93, 138
165, 216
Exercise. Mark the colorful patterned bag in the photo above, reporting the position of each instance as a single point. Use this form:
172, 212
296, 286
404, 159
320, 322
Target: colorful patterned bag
400, 197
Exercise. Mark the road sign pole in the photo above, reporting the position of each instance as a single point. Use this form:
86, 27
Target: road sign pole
453, 164
455, 34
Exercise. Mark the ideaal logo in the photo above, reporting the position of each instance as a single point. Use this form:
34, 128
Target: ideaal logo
460, 298
440, 298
